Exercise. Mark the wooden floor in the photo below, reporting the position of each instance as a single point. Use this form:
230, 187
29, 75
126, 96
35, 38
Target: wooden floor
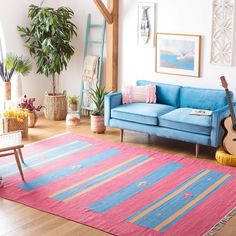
17, 219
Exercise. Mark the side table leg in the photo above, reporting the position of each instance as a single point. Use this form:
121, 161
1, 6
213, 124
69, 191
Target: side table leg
19, 165
21, 156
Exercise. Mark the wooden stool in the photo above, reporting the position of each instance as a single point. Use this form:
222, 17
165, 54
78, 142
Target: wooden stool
12, 146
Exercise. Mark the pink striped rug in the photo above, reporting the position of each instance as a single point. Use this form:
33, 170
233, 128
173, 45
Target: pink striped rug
121, 189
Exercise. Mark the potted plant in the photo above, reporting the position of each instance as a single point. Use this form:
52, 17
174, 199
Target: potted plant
12, 64
97, 116
16, 119
73, 103
49, 41
23, 67
28, 104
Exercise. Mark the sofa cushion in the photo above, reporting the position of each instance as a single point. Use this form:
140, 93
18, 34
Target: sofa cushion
166, 93
144, 113
132, 94
207, 99
180, 119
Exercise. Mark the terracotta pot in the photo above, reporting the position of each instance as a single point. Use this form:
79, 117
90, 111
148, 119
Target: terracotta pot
6, 90
97, 124
72, 119
32, 119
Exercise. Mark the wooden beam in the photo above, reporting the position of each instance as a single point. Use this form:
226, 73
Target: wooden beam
112, 47
111, 14
102, 8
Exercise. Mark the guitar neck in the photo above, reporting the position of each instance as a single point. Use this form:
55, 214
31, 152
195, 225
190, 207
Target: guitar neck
230, 106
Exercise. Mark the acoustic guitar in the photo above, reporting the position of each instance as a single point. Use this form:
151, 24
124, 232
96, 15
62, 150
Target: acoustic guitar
229, 123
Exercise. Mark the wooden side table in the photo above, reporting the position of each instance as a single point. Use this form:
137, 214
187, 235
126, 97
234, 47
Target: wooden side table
11, 144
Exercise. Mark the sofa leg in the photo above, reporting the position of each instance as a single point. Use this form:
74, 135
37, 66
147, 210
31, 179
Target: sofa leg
149, 139
121, 135
197, 150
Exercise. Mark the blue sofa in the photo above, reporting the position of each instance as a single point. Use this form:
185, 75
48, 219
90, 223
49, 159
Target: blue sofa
170, 116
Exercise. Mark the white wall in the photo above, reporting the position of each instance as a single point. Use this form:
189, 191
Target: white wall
70, 80
13, 13
173, 16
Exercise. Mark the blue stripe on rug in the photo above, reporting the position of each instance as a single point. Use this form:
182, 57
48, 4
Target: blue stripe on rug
75, 168
36, 159
175, 202
138, 186
99, 179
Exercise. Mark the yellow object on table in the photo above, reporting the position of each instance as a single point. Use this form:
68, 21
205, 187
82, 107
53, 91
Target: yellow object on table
225, 158
12, 124
15, 119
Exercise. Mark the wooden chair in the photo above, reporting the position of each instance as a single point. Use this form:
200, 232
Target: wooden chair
11, 144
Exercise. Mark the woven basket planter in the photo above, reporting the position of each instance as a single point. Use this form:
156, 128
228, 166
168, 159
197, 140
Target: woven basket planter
11, 124
55, 106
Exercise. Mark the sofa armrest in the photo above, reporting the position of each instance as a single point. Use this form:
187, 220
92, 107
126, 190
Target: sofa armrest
111, 100
217, 129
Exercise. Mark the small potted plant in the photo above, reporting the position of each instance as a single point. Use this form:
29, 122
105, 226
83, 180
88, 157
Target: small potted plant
23, 65
23, 68
16, 119
97, 116
73, 103
8, 67
28, 104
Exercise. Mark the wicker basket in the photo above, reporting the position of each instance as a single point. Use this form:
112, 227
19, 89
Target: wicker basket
55, 106
11, 124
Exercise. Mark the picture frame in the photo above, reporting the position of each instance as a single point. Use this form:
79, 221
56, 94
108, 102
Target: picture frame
222, 34
178, 54
146, 24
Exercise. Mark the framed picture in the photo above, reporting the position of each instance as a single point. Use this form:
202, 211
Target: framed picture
178, 54
146, 24
222, 36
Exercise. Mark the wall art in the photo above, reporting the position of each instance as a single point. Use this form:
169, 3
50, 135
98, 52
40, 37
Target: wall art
146, 24
178, 54
222, 32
